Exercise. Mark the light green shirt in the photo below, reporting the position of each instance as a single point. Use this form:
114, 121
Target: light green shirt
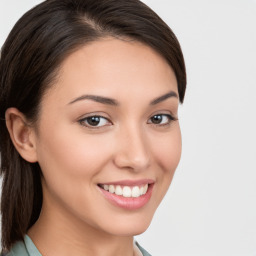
27, 248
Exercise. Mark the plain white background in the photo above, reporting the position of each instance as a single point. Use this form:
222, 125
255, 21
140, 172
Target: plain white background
210, 208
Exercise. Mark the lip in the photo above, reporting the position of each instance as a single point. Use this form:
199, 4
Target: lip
128, 203
129, 182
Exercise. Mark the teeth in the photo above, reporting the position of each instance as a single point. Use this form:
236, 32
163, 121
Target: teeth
111, 189
126, 191
118, 190
136, 192
142, 190
145, 189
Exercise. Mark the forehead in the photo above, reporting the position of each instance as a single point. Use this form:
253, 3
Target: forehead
113, 67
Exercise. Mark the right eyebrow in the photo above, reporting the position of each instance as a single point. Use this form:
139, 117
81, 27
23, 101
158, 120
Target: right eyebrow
164, 97
96, 98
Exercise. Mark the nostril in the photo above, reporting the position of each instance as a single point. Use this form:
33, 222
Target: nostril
132, 162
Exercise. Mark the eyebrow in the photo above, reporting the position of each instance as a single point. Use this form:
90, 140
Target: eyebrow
100, 99
164, 97
113, 102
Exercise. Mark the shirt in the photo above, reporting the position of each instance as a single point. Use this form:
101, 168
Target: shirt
27, 248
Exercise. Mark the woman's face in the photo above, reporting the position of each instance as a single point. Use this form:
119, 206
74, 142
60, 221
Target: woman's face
108, 139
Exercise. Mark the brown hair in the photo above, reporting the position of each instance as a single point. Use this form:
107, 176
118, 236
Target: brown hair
30, 58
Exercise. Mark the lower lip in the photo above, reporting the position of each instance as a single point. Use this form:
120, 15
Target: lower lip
128, 203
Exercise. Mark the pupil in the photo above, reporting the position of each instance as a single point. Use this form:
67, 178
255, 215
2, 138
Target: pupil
157, 119
94, 120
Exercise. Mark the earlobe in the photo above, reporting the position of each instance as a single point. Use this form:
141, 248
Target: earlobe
22, 134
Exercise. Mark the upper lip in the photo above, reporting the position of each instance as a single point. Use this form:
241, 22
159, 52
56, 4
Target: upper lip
129, 182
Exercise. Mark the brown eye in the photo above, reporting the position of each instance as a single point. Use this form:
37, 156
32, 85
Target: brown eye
157, 119
161, 119
94, 121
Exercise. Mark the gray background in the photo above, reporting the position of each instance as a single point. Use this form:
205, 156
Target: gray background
210, 208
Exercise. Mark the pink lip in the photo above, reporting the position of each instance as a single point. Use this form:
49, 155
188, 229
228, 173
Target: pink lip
128, 203
130, 182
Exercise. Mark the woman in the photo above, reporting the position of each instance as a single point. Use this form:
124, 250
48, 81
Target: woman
90, 137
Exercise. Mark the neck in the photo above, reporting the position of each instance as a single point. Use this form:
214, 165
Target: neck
59, 233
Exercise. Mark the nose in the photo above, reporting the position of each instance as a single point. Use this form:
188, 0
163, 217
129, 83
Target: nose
132, 149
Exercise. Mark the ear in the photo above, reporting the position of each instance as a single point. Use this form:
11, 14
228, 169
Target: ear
22, 134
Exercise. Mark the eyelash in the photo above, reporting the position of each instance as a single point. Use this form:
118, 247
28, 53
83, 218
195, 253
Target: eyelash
84, 121
169, 117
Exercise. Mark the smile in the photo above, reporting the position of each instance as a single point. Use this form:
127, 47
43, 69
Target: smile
128, 195
126, 191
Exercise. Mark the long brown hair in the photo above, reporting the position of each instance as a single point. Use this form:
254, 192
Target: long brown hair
30, 58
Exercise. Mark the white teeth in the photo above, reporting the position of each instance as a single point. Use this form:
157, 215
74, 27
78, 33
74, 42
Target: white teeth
126, 191
106, 187
135, 191
145, 189
111, 189
118, 190
142, 190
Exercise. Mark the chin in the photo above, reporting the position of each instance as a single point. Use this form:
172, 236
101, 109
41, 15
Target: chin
129, 225
130, 231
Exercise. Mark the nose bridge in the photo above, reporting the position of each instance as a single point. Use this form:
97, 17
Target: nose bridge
133, 150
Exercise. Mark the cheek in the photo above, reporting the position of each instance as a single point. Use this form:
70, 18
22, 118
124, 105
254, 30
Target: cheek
167, 155
71, 153
70, 161
168, 151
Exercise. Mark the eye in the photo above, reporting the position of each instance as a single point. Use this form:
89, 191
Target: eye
94, 121
161, 119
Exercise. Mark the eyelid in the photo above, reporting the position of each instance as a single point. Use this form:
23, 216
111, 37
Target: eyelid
91, 114
170, 117
164, 112
82, 120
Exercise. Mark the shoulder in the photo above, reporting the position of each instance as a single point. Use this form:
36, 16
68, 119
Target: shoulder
143, 251
23, 248
18, 249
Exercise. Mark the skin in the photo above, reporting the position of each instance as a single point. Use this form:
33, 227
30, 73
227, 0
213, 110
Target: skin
76, 219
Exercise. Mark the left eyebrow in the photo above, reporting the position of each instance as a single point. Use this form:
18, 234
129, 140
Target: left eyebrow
164, 97
96, 98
